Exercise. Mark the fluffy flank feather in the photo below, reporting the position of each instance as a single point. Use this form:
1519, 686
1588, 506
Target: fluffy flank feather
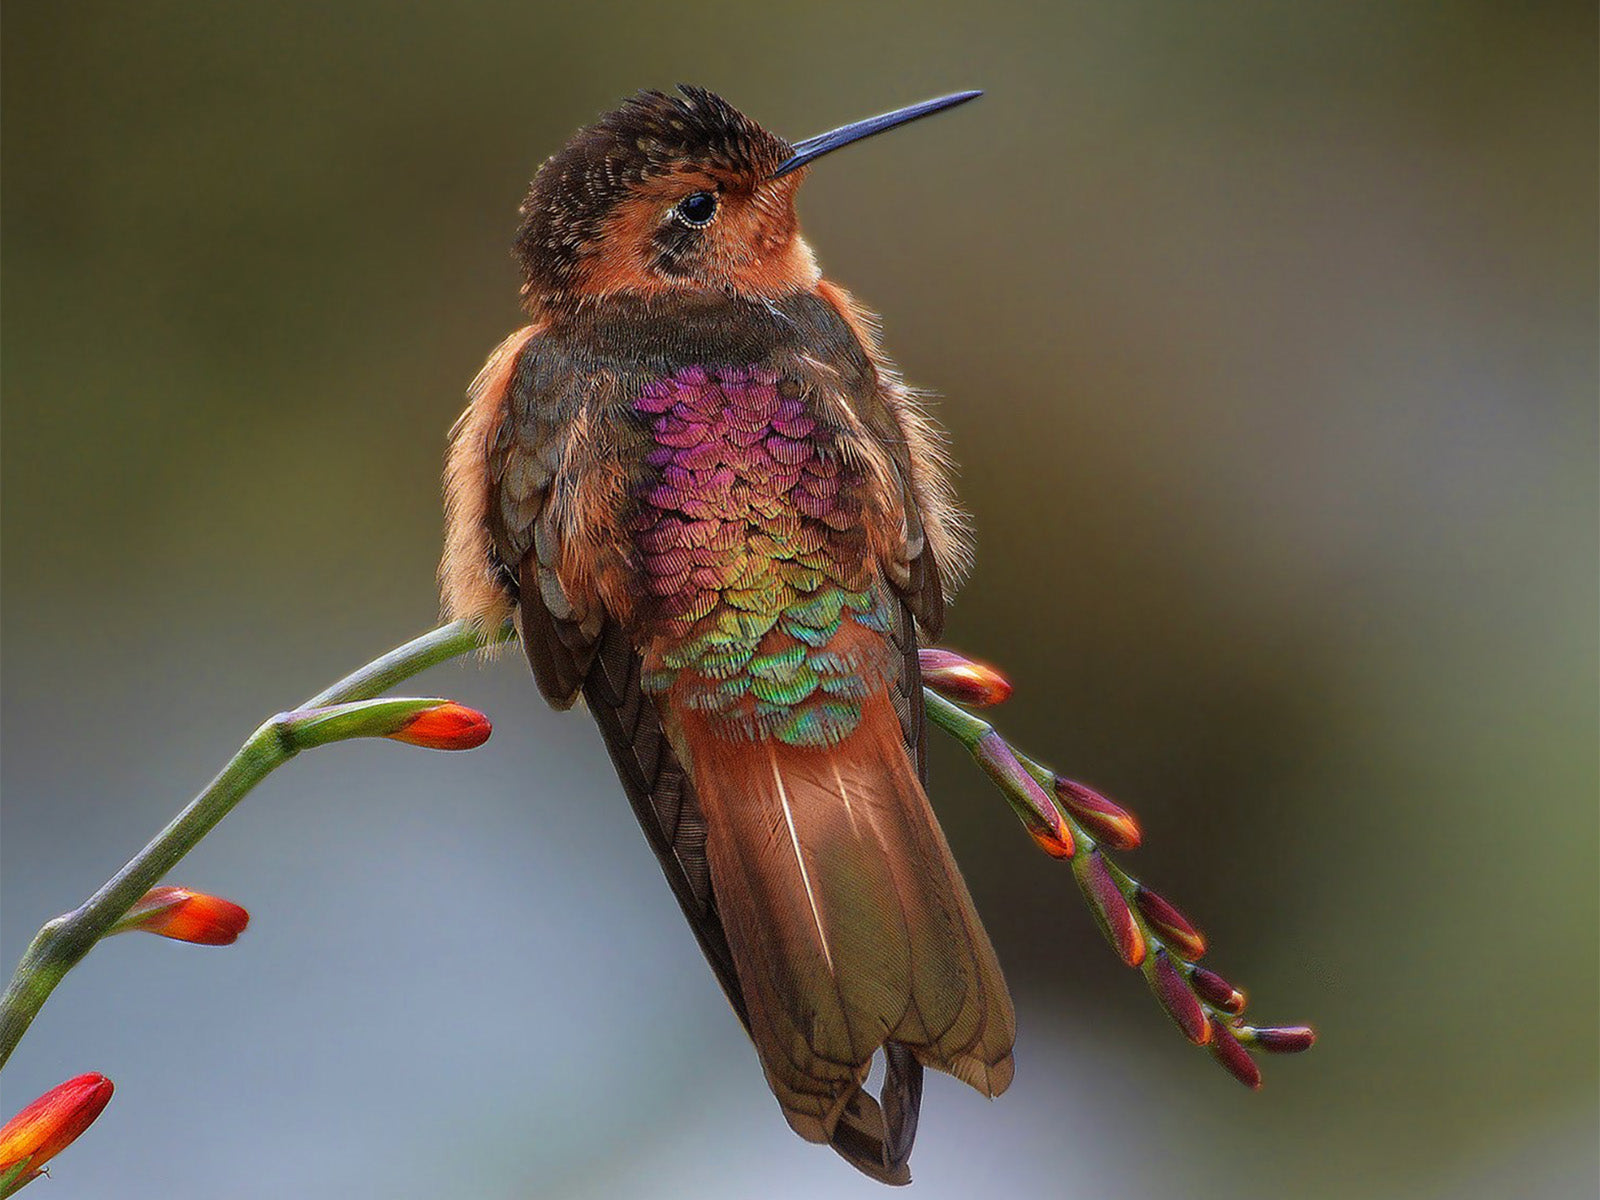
467, 582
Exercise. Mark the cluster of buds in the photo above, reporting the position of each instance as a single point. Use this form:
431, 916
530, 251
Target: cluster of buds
1072, 821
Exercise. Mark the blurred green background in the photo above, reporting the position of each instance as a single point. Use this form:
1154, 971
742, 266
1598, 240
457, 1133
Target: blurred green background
1267, 333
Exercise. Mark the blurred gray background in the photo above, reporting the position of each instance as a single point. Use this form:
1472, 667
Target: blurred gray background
1267, 333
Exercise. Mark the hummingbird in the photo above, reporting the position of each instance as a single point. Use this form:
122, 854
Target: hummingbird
718, 515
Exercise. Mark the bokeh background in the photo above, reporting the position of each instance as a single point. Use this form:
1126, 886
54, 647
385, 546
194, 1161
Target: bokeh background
1268, 337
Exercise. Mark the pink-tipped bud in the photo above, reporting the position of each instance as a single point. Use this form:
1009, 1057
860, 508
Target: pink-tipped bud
186, 916
447, 726
1287, 1039
1170, 987
1028, 800
48, 1126
1170, 925
1234, 1058
960, 679
1110, 823
1111, 911
1217, 991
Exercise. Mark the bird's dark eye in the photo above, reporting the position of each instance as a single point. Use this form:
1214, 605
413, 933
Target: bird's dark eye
697, 208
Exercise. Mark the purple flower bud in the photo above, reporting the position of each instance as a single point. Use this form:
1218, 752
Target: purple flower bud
1234, 1058
1110, 909
1110, 823
962, 680
1217, 991
1030, 801
1170, 925
1287, 1039
1170, 987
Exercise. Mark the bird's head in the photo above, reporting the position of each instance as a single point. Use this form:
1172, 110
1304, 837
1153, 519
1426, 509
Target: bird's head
669, 193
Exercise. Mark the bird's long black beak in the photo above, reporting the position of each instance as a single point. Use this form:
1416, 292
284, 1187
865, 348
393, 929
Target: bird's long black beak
814, 148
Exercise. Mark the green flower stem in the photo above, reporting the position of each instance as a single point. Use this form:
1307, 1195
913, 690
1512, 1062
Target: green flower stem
432, 648
970, 731
345, 710
16, 1178
955, 720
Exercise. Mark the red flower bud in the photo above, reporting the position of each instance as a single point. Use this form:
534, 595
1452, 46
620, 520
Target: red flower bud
1289, 1039
447, 726
1028, 800
1235, 1058
1217, 991
186, 916
1170, 925
48, 1126
1167, 982
962, 680
1110, 909
1112, 824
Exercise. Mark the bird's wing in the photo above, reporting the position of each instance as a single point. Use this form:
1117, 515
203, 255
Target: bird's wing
527, 419
662, 796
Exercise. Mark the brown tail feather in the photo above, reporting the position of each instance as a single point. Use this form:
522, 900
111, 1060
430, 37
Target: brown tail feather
875, 1136
850, 928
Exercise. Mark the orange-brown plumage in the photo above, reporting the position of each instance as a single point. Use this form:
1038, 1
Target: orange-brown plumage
469, 586
720, 517
755, 245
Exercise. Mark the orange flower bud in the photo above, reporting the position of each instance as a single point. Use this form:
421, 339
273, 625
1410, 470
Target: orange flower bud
186, 916
960, 679
48, 1126
447, 726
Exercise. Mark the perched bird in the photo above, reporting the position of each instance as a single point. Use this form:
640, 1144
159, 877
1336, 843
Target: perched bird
718, 515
